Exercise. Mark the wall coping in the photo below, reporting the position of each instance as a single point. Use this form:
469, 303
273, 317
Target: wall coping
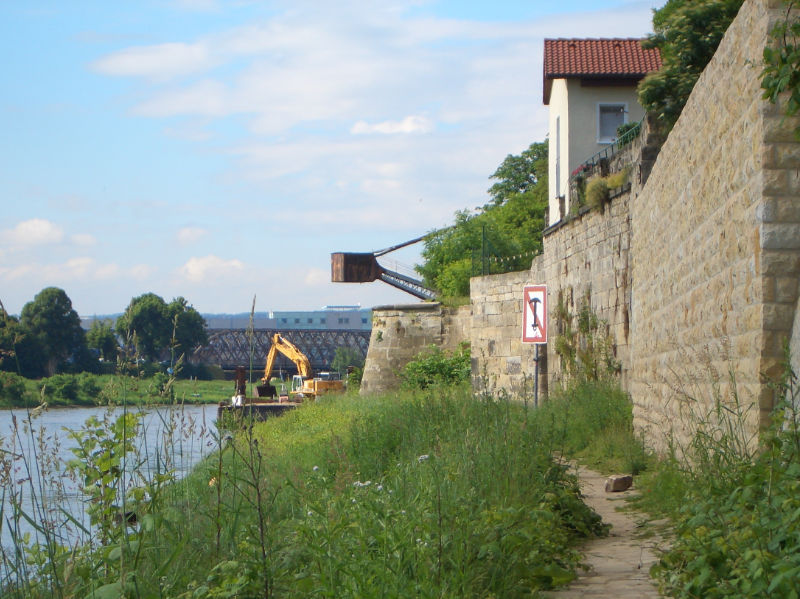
422, 306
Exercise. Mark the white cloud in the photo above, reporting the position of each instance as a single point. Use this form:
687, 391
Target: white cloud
410, 124
36, 231
198, 270
188, 235
83, 239
141, 272
160, 62
316, 276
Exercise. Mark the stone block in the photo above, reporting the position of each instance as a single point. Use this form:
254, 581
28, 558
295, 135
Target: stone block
618, 482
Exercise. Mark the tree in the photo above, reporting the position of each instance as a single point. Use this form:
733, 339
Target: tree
508, 229
101, 337
346, 356
146, 324
151, 324
518, 174
10, 335
51, 320
687, 33
189, 327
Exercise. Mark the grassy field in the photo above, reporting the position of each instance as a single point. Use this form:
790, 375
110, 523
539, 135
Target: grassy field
436, 494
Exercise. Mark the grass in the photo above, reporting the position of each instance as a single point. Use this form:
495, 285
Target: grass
434, 494
105, 389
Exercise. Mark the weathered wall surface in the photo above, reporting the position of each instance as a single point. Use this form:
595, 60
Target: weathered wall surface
715, 245
401, 332
696, 271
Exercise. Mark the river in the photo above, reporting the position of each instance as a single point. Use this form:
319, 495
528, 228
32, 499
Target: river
35, 449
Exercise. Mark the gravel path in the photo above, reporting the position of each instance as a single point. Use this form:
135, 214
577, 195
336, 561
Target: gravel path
619, 563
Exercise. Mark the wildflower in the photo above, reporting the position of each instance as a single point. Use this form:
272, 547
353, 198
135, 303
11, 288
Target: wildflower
423, 457
315, 468
358, 483
379, 487
353, 500
310, 513
213, 481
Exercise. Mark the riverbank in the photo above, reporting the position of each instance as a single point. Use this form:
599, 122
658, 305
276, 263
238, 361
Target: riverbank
431, 494
87, 390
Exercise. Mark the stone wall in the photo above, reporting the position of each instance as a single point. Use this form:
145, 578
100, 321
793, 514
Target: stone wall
695, 271
715, 246
586, 261
401, 332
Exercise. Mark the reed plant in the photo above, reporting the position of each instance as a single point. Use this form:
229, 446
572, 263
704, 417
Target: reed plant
430, 494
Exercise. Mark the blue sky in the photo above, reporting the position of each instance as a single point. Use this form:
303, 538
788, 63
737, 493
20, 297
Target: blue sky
220, 150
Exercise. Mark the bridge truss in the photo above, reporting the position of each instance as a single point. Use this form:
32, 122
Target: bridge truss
235, 347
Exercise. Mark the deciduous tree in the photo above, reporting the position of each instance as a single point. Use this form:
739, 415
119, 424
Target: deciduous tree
51, 319
687, 33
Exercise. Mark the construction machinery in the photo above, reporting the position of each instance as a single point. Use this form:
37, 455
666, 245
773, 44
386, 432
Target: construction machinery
363, 267
304, 384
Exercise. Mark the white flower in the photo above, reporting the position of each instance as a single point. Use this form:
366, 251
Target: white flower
379, 487
315, 468
353, 500
358, 483
423, 457
310, 513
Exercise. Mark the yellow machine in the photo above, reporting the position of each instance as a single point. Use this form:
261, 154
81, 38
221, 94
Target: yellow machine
304, 384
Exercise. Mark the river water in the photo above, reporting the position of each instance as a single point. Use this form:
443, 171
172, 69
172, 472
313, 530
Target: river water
35, 451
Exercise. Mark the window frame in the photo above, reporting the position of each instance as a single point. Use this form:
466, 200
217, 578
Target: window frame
600, 105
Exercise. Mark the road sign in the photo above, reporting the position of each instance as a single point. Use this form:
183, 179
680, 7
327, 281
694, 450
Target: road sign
534, 311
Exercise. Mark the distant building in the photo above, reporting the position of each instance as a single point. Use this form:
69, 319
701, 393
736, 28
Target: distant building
330, 317
590, 87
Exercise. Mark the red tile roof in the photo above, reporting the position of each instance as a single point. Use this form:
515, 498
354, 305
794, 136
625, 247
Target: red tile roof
616, 58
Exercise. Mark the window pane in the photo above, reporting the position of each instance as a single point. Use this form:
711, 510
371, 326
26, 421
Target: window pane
611, 117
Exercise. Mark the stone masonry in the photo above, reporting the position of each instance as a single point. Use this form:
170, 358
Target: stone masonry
716, 247
401, 332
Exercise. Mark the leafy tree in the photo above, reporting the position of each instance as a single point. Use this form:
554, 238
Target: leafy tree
687, 33
146, 324
518, 174
511, 225
57, 327
151, 323
101, 337
346, 356
10, 335
189, 327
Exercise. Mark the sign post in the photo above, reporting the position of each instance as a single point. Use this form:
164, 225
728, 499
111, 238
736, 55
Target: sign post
534, 326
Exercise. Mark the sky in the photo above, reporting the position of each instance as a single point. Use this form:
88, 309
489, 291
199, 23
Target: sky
221, 150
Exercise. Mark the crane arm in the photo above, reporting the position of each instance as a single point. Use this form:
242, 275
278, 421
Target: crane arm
288, 349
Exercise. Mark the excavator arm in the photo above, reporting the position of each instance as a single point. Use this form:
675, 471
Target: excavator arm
288, 349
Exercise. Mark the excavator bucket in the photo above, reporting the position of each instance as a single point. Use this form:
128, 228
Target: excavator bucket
266, 390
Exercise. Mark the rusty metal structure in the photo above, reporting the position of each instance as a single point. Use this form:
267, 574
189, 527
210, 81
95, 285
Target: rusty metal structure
230, 348
363, 267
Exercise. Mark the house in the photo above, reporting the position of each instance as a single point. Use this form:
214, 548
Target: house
590, 88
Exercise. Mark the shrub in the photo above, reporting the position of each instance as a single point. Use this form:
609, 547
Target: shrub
437, 367
12, 388
596, 192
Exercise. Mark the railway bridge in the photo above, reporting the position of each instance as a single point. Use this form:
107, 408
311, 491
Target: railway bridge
230, 348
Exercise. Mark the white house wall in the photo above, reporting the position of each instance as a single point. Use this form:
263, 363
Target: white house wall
559, 105
583, 110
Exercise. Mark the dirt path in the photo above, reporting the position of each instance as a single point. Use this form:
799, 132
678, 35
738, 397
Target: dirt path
619, 563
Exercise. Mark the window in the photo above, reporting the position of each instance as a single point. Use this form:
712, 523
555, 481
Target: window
322, 320
284, 321
609, 117
310, 320
297, 321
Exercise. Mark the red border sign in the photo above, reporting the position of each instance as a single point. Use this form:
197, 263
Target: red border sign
534, 314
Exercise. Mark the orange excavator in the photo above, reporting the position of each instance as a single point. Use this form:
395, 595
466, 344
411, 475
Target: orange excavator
304, 384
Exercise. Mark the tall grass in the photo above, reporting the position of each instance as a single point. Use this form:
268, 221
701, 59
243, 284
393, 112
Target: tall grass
433, 494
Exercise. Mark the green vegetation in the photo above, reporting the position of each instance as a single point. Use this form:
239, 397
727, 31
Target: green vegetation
508, 229
437, 367
431, 495
687, 32
781, 74
152, 326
